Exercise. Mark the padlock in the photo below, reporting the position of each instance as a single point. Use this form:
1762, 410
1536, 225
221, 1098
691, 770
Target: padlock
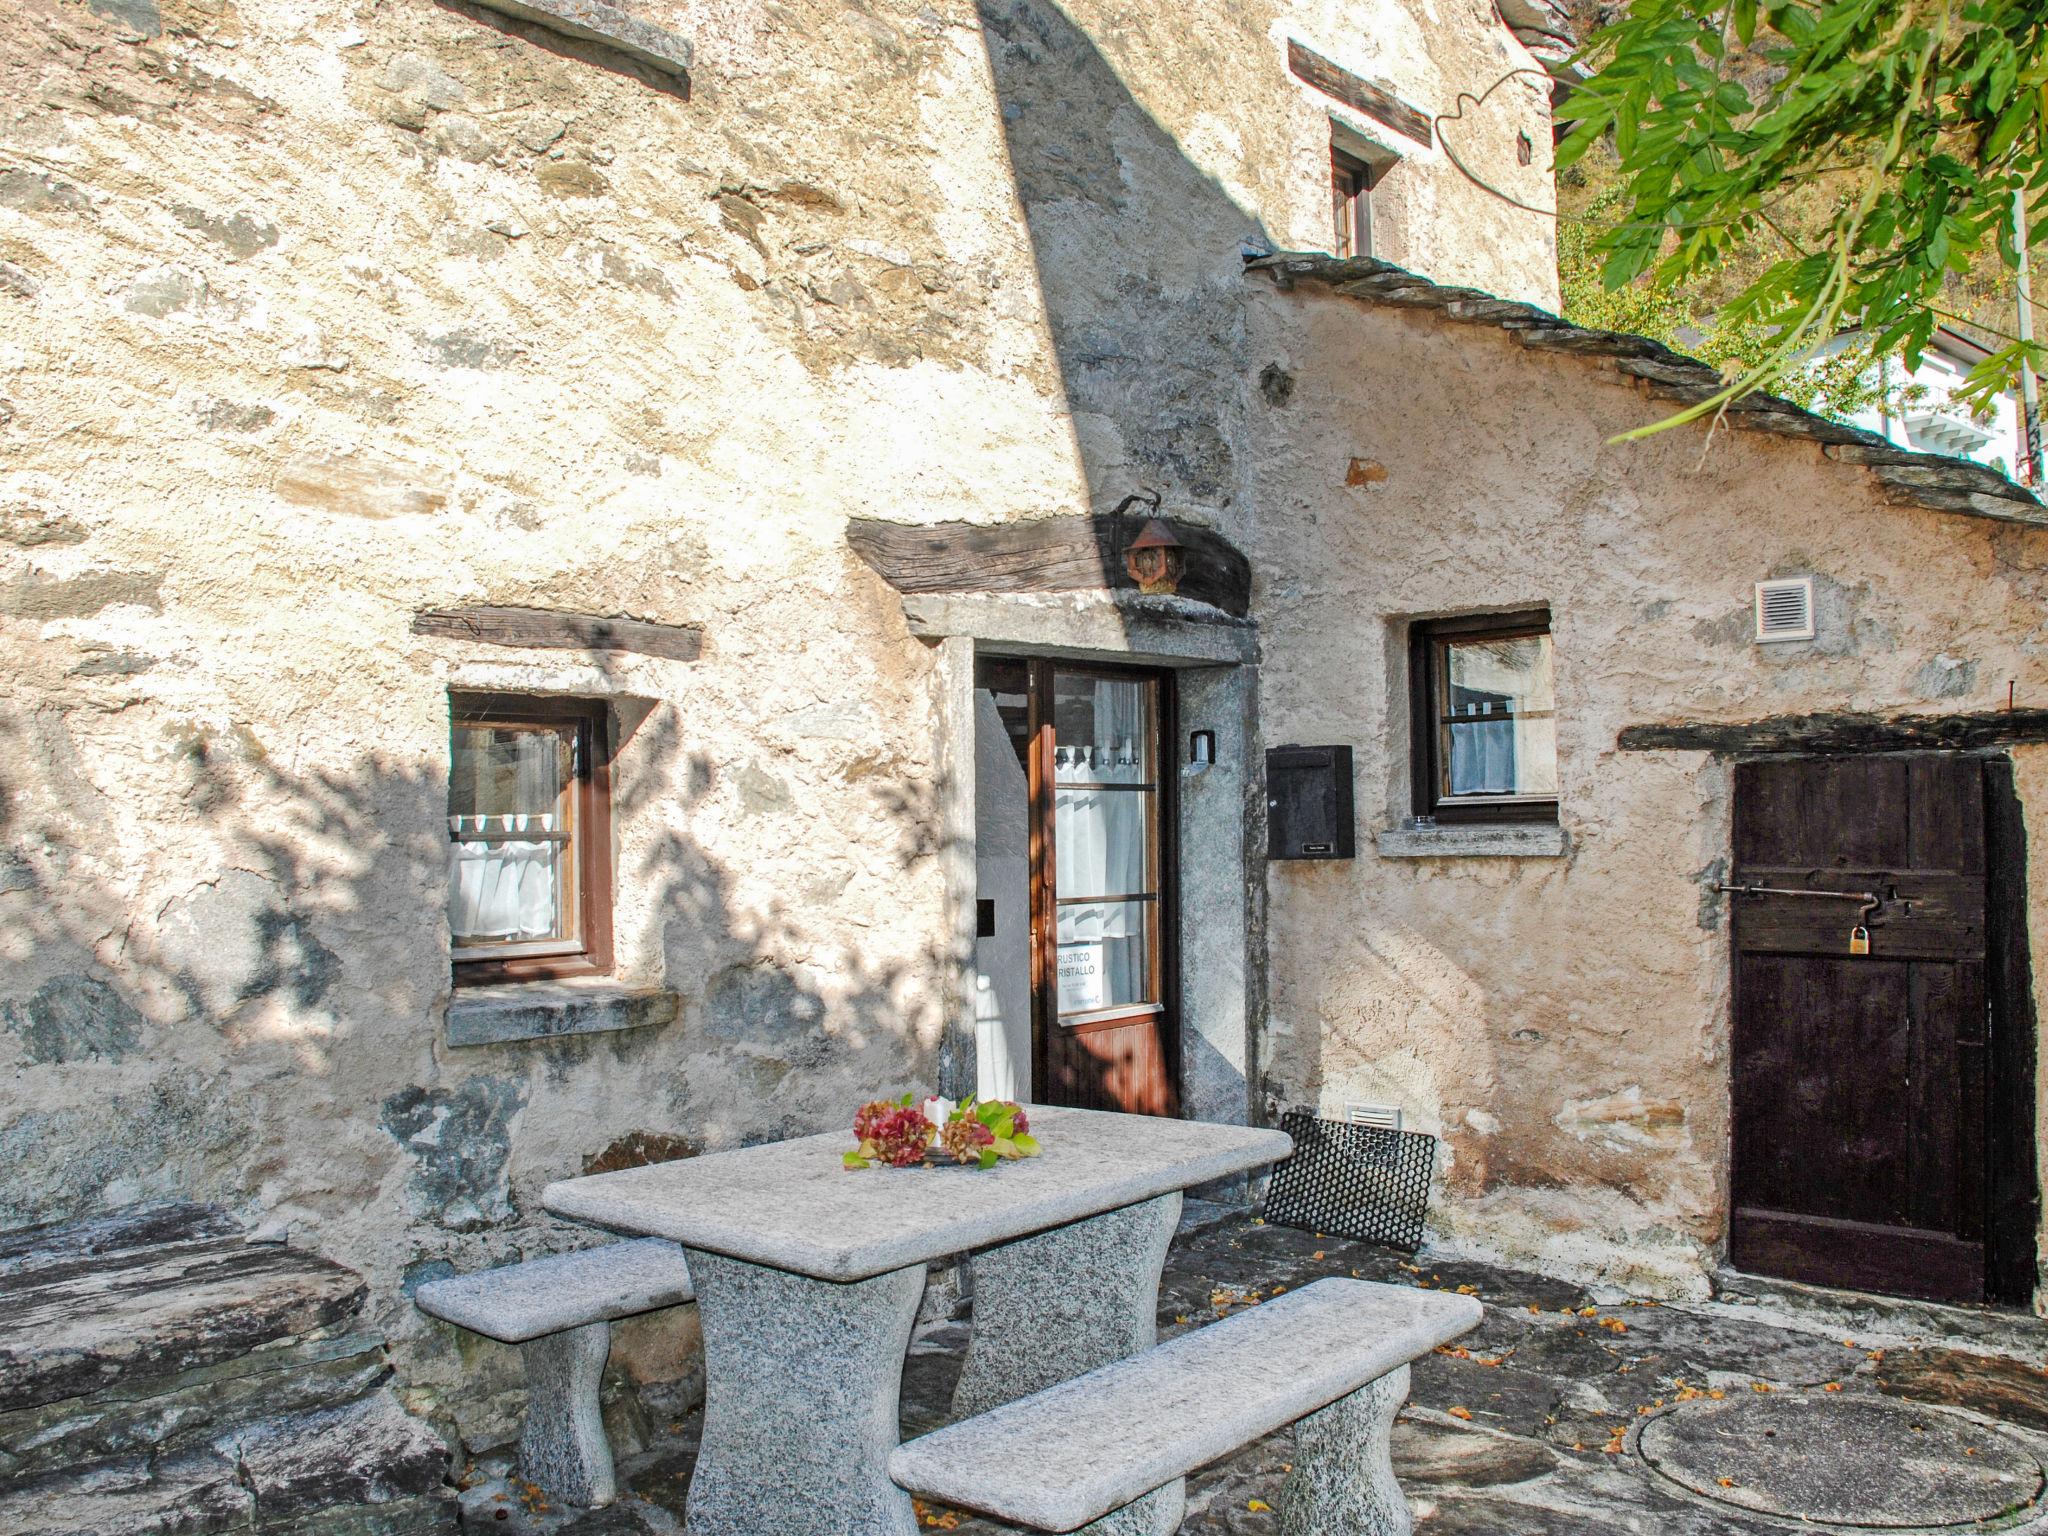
1859, 940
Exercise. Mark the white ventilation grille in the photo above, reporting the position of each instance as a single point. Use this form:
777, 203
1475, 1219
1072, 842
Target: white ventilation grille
1386, 1116
1784, 609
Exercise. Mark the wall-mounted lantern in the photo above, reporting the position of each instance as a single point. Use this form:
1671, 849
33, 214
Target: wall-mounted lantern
1156, 559
1201, 750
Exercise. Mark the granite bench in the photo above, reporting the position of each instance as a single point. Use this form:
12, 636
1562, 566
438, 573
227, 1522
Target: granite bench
1333, 1355
559, 1312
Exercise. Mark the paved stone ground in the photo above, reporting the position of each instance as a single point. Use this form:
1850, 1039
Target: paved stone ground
1529, 1428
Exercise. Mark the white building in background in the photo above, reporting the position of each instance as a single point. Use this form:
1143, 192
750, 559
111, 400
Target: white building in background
1926, 417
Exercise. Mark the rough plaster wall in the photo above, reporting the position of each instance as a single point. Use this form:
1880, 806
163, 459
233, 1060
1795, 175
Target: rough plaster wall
1453, 61
1562, 1023
322, 319
318, 314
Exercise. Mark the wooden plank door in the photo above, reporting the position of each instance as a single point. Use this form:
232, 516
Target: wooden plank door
1860, 1081
1103, 918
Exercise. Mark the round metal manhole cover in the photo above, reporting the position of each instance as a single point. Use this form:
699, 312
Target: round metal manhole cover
1842, 1459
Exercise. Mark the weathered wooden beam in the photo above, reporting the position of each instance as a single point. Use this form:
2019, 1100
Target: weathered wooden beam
540, 629
1359, 94
1045, 554
1842, 733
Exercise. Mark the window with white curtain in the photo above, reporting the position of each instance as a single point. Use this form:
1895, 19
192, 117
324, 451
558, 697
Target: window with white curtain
528, 872
1485, 718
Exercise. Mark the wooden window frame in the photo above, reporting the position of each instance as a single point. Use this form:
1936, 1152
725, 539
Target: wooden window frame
1428, 641
593, 795
1351, 185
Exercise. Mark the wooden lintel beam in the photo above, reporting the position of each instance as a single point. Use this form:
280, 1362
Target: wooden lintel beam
1843, 733
1045, 554
1359, 94
540, 629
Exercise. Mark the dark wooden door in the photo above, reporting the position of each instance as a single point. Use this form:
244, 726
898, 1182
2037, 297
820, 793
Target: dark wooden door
1860, 1081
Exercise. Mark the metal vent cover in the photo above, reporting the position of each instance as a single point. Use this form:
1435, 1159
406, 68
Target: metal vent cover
1355, 1180
1386, 1116
1784, 609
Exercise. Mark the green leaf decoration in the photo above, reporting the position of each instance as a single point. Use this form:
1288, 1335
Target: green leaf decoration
1027, 1146
988, 1157
854, 1160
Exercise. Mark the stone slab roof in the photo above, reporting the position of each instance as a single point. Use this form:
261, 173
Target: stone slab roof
1931, 480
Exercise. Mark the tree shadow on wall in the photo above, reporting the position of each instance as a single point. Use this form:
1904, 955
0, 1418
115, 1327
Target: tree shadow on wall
266, 1030
1139, 254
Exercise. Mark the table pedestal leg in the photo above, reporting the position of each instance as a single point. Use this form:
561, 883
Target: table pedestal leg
802, 1379
1049, 1307
1343, 1477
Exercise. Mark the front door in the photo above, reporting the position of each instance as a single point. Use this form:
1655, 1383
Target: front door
1099, 815
1861, 1071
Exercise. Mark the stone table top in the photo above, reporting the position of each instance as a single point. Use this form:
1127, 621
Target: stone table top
792, 1206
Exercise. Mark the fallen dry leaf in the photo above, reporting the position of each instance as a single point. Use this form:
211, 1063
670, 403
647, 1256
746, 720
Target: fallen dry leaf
1460, 1413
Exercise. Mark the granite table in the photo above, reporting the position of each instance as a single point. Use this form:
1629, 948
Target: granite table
809, 1276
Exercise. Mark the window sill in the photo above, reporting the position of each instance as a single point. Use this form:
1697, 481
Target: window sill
543, 1010
1526, 840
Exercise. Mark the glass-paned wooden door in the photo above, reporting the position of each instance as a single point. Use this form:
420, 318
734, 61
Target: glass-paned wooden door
1103, 871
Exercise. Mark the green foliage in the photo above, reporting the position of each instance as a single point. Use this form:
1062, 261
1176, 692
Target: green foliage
1878, 144
1686, 317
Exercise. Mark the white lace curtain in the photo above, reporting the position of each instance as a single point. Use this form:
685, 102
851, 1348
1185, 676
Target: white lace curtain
503, 887
1100, 833
1101, 838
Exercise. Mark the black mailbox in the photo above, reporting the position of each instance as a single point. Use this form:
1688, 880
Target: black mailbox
1308, 804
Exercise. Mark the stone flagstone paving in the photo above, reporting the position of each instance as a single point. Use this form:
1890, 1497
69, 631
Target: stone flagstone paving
1530, 1426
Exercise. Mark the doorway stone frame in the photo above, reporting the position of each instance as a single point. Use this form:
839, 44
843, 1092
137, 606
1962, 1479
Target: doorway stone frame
1215, 662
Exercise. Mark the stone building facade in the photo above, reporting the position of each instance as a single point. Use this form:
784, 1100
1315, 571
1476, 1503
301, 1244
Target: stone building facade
320, 317
329, 322
1555, 1003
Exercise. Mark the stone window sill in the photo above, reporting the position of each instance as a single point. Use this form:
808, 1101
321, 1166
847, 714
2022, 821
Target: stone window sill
1524, 841
543, 1010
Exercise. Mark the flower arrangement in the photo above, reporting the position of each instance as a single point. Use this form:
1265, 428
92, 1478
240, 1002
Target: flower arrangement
905, 1134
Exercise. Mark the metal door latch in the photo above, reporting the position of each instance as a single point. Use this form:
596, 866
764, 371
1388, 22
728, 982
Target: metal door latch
1859, 935
1871, 901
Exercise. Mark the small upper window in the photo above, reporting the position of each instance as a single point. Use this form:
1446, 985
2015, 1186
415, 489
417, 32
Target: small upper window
1485, 719
529, 829
1351, 184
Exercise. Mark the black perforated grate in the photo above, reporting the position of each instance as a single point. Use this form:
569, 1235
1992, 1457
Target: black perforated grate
1358, 1181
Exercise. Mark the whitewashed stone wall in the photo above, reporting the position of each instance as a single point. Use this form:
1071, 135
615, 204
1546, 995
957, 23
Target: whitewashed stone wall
318, 314
1562, 1022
